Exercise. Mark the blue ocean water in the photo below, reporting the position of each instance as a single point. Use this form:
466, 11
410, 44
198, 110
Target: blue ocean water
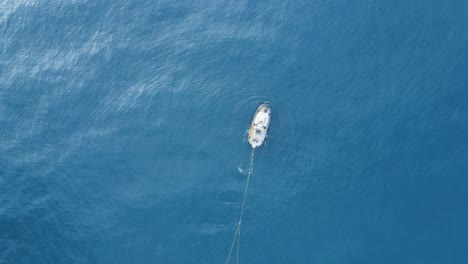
122, 131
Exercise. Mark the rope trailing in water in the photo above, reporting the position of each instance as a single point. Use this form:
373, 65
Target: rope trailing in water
238, 229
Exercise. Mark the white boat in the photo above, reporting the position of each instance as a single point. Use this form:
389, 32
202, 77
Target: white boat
259, 127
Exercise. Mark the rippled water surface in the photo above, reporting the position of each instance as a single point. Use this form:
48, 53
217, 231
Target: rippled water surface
122, 131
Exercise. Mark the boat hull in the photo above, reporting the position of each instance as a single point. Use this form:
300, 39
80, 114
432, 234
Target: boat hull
259, 127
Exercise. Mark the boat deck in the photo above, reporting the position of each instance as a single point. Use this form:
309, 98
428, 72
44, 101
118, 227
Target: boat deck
259, 127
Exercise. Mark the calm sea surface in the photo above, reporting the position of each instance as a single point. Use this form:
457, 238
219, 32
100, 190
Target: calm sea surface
122, 131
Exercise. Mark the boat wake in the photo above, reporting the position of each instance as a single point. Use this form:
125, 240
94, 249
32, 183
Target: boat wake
240, 170
256, 136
